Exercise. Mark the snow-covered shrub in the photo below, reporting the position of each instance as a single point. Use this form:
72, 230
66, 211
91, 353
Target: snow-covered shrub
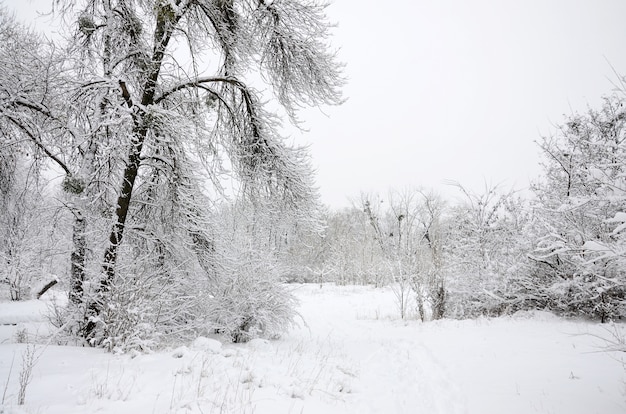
486, 248
142, 312
580, 266
248, 300
242, 298
30, 356
127, 321
65, 319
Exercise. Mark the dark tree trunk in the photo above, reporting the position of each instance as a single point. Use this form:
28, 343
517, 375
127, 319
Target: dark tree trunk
77, 259
121, 212
420, 307
439, 305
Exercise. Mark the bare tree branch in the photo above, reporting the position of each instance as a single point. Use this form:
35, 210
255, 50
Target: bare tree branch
39, 144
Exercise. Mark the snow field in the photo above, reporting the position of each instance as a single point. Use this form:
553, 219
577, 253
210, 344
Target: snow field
353, 355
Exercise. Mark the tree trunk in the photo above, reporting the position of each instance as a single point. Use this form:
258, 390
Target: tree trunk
420, 305
121, 212
439, 301
117, 231
77, 259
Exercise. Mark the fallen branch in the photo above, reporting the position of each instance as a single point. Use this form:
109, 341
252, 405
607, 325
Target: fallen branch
46, 287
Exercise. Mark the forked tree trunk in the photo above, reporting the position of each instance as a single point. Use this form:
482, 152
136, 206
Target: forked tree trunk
166, 20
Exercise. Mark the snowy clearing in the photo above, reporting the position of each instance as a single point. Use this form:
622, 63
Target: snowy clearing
353, 356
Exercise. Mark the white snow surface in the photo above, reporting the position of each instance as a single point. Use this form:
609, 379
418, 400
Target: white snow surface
354, 355
12, 313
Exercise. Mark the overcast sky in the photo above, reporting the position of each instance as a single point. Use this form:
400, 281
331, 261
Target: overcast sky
455, 89
460, 90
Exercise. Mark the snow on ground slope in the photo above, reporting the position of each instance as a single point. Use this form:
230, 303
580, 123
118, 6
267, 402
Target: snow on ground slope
352, 356
24, 311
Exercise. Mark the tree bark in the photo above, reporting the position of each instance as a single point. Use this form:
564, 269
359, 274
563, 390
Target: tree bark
121, 211
77, 260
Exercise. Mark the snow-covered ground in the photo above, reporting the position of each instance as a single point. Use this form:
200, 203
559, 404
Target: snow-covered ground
353, 356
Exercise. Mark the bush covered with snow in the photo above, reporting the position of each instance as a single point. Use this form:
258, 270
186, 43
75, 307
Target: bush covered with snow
248, 300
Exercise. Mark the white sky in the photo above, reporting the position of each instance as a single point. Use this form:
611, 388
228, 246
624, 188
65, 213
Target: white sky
455, 89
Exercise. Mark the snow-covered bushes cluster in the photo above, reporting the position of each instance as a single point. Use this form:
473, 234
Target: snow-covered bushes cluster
486, 246
249, 302
247, 298
579, 258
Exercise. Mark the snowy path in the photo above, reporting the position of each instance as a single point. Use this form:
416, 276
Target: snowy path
396, 373
404, 377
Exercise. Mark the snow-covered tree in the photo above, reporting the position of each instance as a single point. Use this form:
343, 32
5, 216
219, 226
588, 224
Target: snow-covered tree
581, 206
156, 103
20, 203
410, 237
432, 260
27, 226
486, 248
